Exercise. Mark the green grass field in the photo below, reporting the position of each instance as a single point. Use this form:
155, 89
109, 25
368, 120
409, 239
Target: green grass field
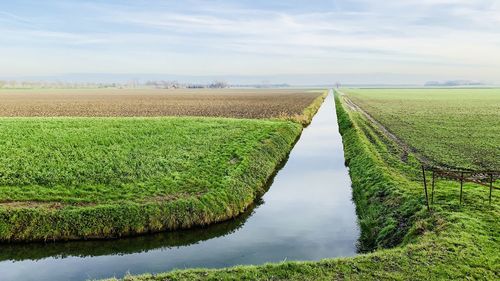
404, 240
65, 178
98, 161
453, 127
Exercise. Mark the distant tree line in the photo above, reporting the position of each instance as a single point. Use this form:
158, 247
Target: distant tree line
261, 86
13, 84
453, 83
161, 84
176, 85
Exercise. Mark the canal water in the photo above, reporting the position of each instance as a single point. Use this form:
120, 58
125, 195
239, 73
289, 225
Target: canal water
307, 214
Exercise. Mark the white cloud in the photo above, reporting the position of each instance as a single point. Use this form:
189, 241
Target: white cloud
441, 37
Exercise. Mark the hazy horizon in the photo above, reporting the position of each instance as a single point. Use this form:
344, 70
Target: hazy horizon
295, 42
299, 80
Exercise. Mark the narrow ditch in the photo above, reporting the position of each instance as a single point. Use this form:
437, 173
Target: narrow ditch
307, 214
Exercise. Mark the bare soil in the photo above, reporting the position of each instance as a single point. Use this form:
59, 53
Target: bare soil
237, 103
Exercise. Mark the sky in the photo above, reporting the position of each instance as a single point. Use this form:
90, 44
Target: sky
398, 41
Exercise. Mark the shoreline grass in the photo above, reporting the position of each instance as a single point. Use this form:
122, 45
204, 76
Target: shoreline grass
451, 243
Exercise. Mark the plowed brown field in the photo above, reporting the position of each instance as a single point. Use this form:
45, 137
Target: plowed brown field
239, 103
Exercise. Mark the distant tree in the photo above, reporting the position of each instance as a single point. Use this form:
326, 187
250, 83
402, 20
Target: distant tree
219, 85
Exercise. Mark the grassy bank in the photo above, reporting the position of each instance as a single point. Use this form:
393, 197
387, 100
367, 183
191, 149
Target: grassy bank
123, 246
408, 243
70, 178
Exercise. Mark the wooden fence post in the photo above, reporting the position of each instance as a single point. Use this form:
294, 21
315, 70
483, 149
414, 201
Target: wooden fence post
461, 186
432, 194
491, 185
425, 189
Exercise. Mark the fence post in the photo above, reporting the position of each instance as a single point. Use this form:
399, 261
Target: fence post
491, 185
425, 189
461, 186
432, 194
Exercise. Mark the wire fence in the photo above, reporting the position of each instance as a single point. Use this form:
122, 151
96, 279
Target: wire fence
480, 178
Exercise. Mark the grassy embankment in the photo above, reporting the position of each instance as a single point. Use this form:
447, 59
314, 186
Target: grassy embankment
72, 178
408, 243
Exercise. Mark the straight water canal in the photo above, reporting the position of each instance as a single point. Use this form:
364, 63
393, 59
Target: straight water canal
307, 214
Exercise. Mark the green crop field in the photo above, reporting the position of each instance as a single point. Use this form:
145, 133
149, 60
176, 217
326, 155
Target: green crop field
452, 127
403, 239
